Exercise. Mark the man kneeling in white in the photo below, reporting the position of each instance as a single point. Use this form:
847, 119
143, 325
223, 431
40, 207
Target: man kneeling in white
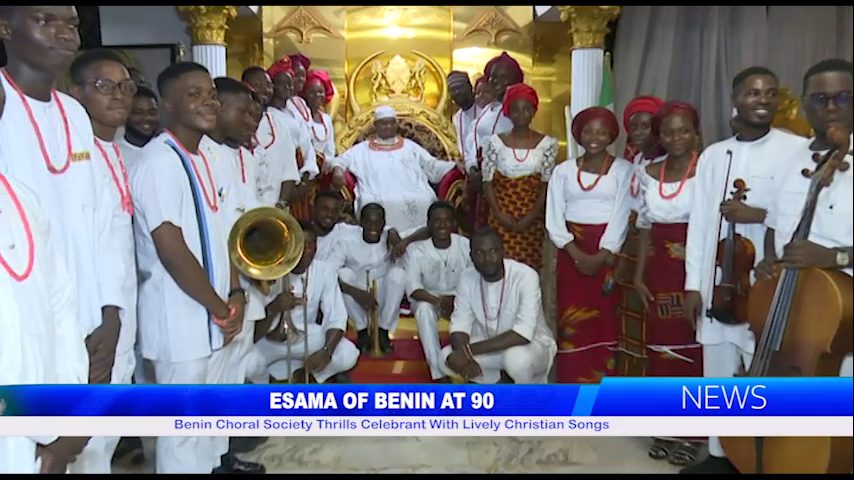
331, 353
498, 328
433, 269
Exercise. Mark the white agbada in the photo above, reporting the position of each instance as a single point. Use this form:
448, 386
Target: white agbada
82, 206
485, 310
463, 121
177, 333
326, 243
42, 341
130, 152
398, 177
832, 225
298, 115
276, 155
491, 121
355, 260
438, 272
760, 164
608, 202
110, 154
324, 295
323, 135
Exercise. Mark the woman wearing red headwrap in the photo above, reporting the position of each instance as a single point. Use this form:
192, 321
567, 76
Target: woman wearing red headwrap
297, 103
501, 72
642, 147
587, 215
517, 166
293, 127
668, 338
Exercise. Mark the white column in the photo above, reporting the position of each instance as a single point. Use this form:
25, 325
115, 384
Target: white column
211, 57
586, 83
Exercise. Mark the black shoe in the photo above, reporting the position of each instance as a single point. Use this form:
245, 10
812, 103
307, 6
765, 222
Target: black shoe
385, 342
232, 464
129, 451
363, 342
505, 378
340, 378
714, 465
245, 444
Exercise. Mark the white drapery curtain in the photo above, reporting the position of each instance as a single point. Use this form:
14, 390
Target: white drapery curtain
691, 53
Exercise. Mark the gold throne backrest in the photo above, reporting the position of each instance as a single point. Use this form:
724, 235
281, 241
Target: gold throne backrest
413, 84
789, 116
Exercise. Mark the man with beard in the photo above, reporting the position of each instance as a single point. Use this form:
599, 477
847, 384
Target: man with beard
142, 124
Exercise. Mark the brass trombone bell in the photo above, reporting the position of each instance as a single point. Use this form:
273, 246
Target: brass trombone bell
265, 244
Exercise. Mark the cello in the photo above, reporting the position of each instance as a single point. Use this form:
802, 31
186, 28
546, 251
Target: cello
735, 257
805, 320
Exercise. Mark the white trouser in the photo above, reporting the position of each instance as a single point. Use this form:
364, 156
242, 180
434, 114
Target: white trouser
427, 318
523, 363
723, 360
268, 357
390, 289
98, 455
188, 454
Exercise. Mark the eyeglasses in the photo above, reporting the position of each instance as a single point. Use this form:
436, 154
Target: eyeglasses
108, 87
822, 100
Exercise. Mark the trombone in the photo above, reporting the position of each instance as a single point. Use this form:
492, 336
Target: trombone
374, 318
265, 244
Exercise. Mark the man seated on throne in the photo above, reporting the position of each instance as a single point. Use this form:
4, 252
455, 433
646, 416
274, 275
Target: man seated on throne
392, 171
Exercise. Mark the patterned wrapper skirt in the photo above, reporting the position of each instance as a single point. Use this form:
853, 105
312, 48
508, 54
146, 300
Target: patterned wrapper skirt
587, 313
516, 197
671, 348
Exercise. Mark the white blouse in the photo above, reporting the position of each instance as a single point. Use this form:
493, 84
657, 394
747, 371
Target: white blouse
653, 208
607, 203
539, 160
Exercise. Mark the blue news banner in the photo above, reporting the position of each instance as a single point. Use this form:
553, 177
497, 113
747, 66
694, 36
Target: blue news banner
673, 405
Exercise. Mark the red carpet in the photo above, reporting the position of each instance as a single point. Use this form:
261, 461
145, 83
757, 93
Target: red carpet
405, 365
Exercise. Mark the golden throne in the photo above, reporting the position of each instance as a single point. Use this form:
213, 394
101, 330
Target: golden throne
415, 85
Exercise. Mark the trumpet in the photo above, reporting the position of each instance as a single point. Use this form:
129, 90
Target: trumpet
374, 319
265, 244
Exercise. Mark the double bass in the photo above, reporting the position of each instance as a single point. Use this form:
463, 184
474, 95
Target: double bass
805, 320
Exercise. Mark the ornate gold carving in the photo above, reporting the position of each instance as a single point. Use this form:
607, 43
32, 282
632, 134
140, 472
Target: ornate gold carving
208, 23
304, 21
588, 24
789, 114
399, 80
494, 23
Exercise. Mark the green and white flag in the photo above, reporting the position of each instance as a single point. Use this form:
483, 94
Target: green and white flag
606, 91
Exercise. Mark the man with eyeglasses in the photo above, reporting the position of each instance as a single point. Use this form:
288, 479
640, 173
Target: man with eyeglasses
102, 84
826, 103
47, 144
759, 155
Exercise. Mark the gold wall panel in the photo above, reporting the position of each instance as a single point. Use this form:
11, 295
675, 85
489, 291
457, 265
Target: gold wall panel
243, 38
439, 33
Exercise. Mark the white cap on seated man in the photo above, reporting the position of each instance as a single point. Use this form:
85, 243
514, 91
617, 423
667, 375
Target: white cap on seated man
392, 171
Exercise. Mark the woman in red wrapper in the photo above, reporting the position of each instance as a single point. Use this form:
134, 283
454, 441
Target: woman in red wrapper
587, 215
666, 200
517, 166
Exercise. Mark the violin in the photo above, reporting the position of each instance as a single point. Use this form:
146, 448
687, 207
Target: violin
735, 257
803, 318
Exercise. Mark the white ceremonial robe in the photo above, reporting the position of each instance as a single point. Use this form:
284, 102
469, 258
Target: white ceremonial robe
356, 260
295, 112
82, 205
521, 312
42, 340
398, 179
130, 152
463, 121
326, 243
324, 295
177, 333
491, 121
276, 155
608, 203
438, 272
761, 164
640, 163
832, 225
323, 135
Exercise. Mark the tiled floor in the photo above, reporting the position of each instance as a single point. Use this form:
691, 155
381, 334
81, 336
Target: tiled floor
448, 455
